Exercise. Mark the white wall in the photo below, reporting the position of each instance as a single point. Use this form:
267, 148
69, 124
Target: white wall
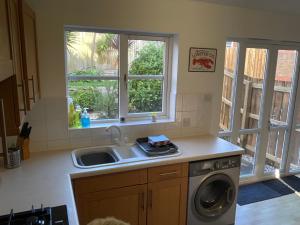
197, 25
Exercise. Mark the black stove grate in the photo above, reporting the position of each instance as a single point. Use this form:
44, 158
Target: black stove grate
43, 216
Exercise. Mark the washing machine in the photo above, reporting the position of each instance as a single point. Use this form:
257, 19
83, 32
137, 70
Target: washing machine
213, 188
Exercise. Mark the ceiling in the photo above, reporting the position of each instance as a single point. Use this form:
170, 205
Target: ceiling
283, 6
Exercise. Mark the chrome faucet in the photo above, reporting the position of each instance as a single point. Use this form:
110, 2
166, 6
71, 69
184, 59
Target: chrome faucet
119, 141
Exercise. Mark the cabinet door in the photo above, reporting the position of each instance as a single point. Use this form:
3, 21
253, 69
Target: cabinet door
8, 92
6, 66
167, 202
30, 57
17, 54
127, 204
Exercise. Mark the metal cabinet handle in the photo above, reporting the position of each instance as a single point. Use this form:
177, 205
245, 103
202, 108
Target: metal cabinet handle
23, 96
142, 197
168, 174
150, 199
33, 89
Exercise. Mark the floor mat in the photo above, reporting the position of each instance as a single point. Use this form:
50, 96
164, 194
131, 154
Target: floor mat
262, 191
293, 181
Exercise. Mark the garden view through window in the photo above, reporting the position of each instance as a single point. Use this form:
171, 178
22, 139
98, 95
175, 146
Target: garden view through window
99, 64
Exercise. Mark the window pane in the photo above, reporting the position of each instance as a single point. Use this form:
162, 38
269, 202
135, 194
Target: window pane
254, 75
275, 150
248, 142
145, 96
146, 63
230, 68
295, 153
99, 97
92, 71
285, 70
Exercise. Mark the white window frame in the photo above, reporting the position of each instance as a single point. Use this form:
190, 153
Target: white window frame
123, 75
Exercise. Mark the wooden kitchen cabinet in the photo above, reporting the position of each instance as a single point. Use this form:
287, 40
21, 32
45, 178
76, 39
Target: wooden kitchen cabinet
167, 202
9, 94
155, 196
29, 53
127, 204
18, 62
6, 60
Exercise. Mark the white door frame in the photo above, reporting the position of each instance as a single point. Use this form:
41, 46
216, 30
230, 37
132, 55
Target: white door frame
263, 128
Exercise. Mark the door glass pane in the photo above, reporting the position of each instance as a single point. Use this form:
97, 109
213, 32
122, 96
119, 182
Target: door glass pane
254, 75
230, 69
146, 64
248, 142
275, 152
295, 157
285, 70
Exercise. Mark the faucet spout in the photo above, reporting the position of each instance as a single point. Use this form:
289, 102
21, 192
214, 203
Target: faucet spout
120, 138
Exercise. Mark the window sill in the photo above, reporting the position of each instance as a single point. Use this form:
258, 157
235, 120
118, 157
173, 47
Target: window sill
100, 124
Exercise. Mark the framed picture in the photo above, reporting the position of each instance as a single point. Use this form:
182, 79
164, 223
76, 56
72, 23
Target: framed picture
202, 59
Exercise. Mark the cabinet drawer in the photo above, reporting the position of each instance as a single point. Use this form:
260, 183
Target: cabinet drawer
109, 181
167, 172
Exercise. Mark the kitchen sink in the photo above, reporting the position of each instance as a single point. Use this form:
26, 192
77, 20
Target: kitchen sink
110, 155
97, 158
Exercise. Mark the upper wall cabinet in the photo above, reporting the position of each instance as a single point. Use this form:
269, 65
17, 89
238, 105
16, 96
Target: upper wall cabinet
6, 61
29, 53
18, 61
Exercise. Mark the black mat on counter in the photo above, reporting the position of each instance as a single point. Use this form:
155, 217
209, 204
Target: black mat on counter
263, 191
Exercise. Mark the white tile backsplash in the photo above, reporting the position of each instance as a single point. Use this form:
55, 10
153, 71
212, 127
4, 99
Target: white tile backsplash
179, 103
38, 146
56, 108
80, 142
50, 124
57, 129
59, 144
39, 130
190, 102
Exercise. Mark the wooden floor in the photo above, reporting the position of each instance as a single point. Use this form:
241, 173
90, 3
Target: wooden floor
277, 211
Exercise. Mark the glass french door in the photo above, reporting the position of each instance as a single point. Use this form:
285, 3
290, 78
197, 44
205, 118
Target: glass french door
258, 99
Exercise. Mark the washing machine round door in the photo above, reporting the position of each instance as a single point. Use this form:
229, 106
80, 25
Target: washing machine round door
214, 197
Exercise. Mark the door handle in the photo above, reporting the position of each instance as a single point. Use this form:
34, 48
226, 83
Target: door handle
150, 199
33, 89
142, 197
168, 174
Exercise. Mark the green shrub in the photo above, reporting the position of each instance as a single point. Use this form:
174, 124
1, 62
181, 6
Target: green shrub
146, 95
84, 98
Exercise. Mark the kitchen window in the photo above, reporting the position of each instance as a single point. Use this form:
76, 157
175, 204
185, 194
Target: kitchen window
116, 75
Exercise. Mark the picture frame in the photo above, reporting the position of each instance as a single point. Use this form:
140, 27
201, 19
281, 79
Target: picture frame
202, 59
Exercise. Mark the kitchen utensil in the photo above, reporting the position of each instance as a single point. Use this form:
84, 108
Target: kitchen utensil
13, 158
23, 140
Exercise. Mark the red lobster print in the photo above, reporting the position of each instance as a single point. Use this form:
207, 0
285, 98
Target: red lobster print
207, 63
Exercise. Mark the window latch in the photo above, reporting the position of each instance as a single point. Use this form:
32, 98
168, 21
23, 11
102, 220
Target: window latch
126, 81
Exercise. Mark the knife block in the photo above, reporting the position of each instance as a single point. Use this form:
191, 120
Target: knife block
25, 147
24, 144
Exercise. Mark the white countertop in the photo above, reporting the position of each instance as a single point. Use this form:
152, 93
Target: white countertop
46, 177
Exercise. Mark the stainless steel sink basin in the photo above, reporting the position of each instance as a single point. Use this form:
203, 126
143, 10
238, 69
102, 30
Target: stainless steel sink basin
91, 157
97, 158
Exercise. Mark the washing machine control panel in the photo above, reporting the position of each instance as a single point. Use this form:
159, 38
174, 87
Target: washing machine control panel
206, 166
